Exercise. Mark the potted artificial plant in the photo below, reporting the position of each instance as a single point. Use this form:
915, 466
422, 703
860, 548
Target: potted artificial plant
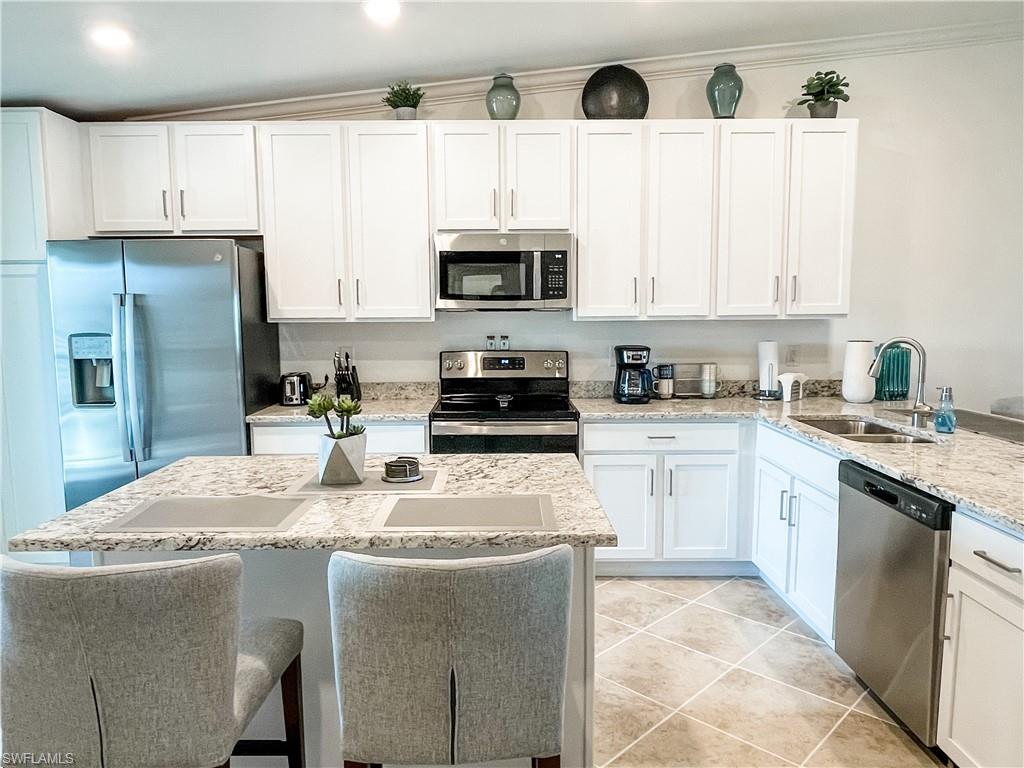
823, 92
342, 452
404, 99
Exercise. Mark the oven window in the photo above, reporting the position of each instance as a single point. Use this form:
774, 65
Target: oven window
486, 276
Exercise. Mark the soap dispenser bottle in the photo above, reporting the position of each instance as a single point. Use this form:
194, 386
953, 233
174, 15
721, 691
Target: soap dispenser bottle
945, 416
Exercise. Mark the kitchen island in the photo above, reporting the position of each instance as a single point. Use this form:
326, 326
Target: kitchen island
286, 571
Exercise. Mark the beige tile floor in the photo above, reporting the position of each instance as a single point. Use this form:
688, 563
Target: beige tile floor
720, 672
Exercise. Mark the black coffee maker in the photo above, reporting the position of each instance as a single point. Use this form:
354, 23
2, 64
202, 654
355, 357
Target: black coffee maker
633, 380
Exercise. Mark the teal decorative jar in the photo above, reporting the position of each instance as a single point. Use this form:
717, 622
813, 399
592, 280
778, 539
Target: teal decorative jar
503, 98
724, 89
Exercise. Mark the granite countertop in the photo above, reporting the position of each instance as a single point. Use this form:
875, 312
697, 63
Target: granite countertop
983, 474
387, 409
334, 521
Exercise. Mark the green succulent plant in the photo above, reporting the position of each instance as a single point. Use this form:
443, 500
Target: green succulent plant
321, 405
825, 87
402, 94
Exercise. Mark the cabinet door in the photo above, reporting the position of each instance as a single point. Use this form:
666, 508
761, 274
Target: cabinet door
981, 699
131, 178
771, 526
216, 174
31, 481
389, 219
751, 192
608, 219
302, 183
680, 181
820, 238
22, 198
465, 175
701, 507
625, 485
812, 575
538, 175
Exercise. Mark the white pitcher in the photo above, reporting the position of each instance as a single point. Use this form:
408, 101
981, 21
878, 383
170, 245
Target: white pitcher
858, 386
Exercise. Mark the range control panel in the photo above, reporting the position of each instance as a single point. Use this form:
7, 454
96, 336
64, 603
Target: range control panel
537, 364
554, 270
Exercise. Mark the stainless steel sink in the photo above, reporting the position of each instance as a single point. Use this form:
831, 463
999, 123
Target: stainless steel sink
863, 431
169, 514
528, 512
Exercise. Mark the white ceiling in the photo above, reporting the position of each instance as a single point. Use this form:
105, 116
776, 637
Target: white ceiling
195, 54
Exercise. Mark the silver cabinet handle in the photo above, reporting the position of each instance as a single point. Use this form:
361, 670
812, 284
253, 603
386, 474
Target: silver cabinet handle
661, 437
652, 481
989, 559
494, 202
512, 202
341, 301
163, 197
652, 289
636, 299
181, 201
116, 363
134, 410
782, 505
357, 292
792, 296
792, 513
775, 290
945, 623
670, 482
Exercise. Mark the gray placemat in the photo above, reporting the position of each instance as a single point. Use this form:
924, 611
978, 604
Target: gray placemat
433, 481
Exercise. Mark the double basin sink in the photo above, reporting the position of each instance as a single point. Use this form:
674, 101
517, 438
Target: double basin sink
863, 431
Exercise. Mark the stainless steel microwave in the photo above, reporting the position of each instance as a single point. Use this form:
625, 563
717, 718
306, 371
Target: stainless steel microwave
503, 271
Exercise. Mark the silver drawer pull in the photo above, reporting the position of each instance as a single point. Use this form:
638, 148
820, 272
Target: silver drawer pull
661, 437
1002, 566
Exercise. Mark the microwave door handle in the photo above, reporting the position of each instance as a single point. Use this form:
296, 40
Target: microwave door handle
536, 275
117, 363
134, 409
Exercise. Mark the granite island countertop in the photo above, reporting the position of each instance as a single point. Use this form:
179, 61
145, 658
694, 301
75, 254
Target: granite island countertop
333, 521
983, 474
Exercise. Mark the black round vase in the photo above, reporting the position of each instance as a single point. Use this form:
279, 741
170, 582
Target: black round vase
615, 92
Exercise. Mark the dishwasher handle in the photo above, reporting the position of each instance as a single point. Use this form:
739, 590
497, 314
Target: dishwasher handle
883, 495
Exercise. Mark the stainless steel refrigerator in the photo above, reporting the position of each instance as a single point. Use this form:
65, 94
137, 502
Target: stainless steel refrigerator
162, 348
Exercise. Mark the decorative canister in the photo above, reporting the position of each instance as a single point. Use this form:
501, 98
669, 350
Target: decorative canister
724, 89
503, 98
858, 386
615, 92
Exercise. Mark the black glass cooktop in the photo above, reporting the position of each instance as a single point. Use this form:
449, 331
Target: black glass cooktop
490, 407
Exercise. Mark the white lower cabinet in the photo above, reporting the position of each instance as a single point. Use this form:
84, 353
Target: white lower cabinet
796, 525
666, 499
403, 438
981, 694
625, 485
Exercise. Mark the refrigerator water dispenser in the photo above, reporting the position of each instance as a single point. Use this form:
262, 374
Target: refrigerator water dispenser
92, 380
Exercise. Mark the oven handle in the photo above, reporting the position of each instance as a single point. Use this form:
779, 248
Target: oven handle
504, 428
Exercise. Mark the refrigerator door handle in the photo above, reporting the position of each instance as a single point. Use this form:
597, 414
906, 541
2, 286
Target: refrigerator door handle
117, 353
138, 434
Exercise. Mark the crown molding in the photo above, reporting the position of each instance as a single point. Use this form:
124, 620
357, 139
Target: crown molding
366, 103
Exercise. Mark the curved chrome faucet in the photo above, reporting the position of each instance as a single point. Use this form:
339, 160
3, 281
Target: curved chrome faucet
920, 406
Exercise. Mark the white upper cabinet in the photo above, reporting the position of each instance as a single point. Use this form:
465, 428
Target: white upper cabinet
215, 167
609, 227
131, 177
681, 162
466, 175
701, 502
538, 175
22, 198
751, 196
820, 238
387, 171
302, 182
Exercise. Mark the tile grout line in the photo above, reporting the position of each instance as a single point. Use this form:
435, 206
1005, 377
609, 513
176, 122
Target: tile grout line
728, 580
833, 728
737, 738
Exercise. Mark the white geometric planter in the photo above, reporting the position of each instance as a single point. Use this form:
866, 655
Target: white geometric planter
341, 461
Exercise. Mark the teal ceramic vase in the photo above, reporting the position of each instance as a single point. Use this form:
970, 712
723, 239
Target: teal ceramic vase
503, 98
724, 89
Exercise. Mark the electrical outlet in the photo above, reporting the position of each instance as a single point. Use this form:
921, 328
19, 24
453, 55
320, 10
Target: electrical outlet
792, 355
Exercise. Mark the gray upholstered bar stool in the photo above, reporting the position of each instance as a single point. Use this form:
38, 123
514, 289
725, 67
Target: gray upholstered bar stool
135, 666
442, 662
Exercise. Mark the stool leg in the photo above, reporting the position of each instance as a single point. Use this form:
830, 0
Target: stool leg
291, 699
554, 761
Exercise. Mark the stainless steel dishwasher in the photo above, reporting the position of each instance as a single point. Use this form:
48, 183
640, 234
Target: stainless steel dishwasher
891, 591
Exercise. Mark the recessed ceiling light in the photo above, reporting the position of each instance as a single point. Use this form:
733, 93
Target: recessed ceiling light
383, 12
110, 37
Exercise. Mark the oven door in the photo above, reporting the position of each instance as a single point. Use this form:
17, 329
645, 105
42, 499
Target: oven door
504, 437
488, 280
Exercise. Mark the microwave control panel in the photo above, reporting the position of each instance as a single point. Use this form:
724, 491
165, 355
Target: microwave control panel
554, 270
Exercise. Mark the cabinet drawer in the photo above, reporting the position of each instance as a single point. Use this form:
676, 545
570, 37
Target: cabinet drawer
300, 438
810, 464
657, 436
972, 541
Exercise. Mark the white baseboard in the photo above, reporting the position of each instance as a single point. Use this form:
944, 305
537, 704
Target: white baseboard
675, 568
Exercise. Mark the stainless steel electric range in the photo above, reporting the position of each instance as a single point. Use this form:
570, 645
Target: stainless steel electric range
504, 402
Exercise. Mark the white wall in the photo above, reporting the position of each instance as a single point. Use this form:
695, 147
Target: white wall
938, 238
